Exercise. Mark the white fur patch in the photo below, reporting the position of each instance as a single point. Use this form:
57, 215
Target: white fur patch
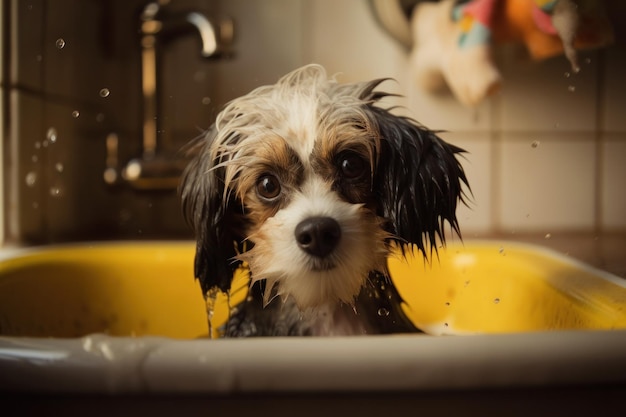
277, 258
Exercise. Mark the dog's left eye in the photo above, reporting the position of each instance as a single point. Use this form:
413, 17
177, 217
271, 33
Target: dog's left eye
352, 165
268, 186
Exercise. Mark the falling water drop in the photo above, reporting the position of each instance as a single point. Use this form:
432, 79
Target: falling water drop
548, 236
31, 179
52, 135
60, 43
55, 192
104, 92
383, 312
206, 101
535, 144
571, 88
59, 167
75, 114
211, 297
496, 300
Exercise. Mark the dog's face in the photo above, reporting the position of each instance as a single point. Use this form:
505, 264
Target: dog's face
308, 182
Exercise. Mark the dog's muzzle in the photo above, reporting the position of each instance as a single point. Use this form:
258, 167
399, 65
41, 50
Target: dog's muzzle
318, 236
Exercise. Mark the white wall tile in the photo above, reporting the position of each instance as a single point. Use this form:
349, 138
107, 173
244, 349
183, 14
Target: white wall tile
547, 186
443, 111
547, 95
614, 183
476, 218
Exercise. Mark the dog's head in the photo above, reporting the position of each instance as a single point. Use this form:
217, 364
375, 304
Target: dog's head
310, 182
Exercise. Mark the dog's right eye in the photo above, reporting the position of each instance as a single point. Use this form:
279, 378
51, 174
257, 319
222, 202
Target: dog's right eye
268, 186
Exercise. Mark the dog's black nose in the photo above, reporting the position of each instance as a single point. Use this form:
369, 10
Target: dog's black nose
318, 236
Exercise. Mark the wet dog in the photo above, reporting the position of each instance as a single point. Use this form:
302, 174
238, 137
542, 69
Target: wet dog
310, 184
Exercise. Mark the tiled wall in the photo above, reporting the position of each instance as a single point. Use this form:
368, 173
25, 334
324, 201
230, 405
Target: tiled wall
546, 155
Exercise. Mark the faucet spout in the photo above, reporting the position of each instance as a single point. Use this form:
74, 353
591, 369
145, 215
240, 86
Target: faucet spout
159, 23
206, 31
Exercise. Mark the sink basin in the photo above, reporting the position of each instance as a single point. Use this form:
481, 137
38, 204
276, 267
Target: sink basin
129, 317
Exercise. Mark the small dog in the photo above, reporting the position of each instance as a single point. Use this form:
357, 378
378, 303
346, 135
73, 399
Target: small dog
311, 184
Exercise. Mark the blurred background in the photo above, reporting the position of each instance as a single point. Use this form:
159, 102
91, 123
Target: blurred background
82, 161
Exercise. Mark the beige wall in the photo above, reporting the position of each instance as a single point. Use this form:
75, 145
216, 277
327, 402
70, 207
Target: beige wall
572, 180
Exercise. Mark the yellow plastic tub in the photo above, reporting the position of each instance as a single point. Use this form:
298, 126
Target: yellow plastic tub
129, 317
136, 289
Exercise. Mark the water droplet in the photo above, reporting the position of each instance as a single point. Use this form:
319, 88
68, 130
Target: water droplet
445, 325
501, 250
35, 205
34, 158
60, 43
206, 100
210, 299
59, 167
548, 235
383, 312
571, 89
37, 145
52, 135
31, 179
75, 114
535, 144
496, 300
105, 92
587, 61
39, 58
567, 74
448, 304
100, 117
55, 192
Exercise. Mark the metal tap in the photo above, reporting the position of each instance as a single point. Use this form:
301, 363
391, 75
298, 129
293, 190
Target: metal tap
154, 170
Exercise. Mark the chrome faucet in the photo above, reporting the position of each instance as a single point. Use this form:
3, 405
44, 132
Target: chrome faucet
154, 170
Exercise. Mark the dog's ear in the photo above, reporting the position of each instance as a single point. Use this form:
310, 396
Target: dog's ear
213, 215
418, 179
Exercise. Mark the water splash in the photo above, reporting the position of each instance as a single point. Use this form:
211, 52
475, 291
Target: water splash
210, 299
